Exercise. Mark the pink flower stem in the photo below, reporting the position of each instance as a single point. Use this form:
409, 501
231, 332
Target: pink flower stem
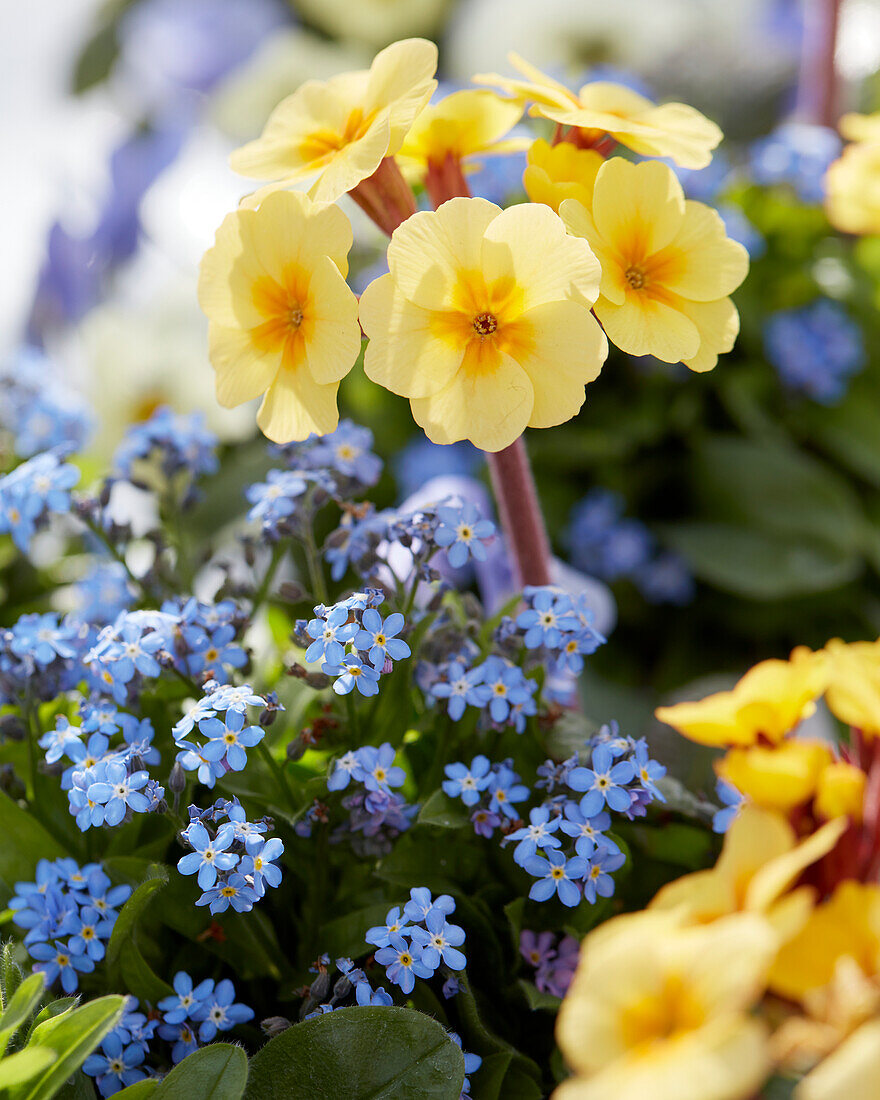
817, 83
520, 512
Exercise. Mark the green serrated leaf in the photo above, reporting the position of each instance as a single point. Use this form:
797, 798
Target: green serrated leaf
11, 974
443, 812
216, 1072
72, 1036
132, 911
359, 1054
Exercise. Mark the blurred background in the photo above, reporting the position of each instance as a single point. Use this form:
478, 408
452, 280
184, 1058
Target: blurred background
733, 515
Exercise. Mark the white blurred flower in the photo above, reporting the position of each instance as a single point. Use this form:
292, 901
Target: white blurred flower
147, 349
375, 22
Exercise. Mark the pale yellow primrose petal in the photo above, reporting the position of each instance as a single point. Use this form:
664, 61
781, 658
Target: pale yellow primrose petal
490, 407
295, 406
341, 129
283, 321
557, 172
672, 130
851, 1072
403, 355
562, 267
704, 263
429, 251
557, 327
639, 207
667, 265
461, 125
718, 326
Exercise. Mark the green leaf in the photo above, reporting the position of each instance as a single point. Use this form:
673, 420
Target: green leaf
359, 1054
72, 1036
545, 1002
759, 565
778, 489
19, 1068
78, 1087
849, 433
140, 1090
442, 811
11, 974
491, 1075
683, 845
216, 1072
133, 909
25, 843
59, 1007
139, 977
22, 1004
344, 936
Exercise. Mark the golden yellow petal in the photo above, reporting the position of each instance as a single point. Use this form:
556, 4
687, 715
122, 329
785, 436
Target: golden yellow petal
404, 354
780, 777
491, 408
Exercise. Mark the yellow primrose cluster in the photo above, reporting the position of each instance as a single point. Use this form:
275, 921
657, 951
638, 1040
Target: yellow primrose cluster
769, 961
756, 722
852, 183
490, 320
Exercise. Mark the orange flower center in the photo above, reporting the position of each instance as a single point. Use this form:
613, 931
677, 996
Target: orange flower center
636, 277
485, 324
285, 305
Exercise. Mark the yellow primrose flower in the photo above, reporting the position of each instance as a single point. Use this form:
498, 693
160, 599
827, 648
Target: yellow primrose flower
667, 265
852, 189
283, 321
853, 692
557, 172
768, 702
343, 128
760, 860
484, 321
840, 791
461, 125
856, 127
779, 777
661, 1010
671, 130
851, 1072
846, 925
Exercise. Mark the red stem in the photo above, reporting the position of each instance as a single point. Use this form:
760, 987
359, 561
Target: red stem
817, 83
385, 197
520, 513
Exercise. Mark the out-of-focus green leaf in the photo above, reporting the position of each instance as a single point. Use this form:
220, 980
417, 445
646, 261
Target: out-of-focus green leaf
131, 912
25, 843
443, 812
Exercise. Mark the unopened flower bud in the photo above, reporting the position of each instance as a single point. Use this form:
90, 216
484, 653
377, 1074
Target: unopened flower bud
317, 680
177, 779
296, 749
274, 1025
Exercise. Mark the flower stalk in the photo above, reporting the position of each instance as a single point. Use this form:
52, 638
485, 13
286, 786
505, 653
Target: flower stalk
520, 512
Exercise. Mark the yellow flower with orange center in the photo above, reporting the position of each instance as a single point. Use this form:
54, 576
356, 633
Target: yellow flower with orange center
672, 130
342, 129
283, 321
767, 703
557, 172
484, 321
659, 1009
462, 125
667, 265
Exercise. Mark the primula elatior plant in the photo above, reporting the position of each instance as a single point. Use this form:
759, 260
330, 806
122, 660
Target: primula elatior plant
287, 768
